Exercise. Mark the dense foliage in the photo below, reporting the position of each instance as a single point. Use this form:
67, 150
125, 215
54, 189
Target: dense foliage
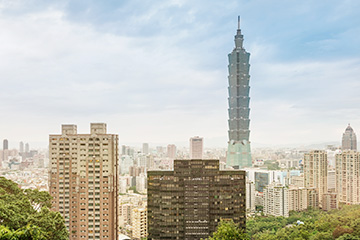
228, 230
25, 214
338, 224
341, 224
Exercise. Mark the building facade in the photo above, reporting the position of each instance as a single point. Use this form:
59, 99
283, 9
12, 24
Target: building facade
239, 154
139, 223
250, 196
347, 177
171, 151
330, 201
316, 171
349, 139
196, 147
276, 200
83, 181
297, 198
189, 202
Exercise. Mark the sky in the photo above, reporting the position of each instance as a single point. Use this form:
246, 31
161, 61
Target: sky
156, 71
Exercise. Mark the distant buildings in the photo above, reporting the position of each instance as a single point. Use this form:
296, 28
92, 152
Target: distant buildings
196, 147
347, 177
84, 181
349, 139
189, 202
316, 171
239, 154
276, 200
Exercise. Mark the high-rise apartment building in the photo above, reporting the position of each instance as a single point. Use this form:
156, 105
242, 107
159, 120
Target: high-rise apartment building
196, 147
83, 181
331, 180
139, 223
145, 148
330, 201
21, 147
316, 171
297, 198
189, 202
347, 165
5, 144
171, 151
250, 196
349, 139
301, 198
276, 200
239, 154
27, 147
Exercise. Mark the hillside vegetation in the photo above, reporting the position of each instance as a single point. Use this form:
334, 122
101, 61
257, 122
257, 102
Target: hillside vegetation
337, 224
25, 214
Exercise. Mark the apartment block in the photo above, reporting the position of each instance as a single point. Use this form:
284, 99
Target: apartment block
316, 172
347, 177
276, 200
301, 198
189, 202
83, 181
139, 223
330, 201
196, 147
297, 198
250, 196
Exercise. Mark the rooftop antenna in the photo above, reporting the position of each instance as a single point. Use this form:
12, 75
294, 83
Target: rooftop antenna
239, 22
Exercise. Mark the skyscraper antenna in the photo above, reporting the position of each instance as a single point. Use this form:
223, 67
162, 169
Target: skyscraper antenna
239, 22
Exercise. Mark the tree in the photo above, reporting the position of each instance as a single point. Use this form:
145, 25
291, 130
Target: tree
25, 212
28, 232
228, 230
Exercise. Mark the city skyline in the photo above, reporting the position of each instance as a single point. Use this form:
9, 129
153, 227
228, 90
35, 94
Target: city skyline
73, 59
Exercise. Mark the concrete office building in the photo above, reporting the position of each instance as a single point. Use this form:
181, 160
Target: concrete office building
349, 139
189, 202
239, 154
316, 171
196, 147
276, 200
83, 181
347, 177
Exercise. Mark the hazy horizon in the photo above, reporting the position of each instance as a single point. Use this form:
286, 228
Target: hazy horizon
157, 72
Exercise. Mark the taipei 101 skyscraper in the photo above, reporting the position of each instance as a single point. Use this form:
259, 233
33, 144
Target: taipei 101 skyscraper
239, 153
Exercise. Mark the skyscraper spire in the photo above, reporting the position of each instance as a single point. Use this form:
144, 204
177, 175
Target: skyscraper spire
239, 38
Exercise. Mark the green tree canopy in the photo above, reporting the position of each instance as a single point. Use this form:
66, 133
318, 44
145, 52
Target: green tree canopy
25, 214
228, 230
